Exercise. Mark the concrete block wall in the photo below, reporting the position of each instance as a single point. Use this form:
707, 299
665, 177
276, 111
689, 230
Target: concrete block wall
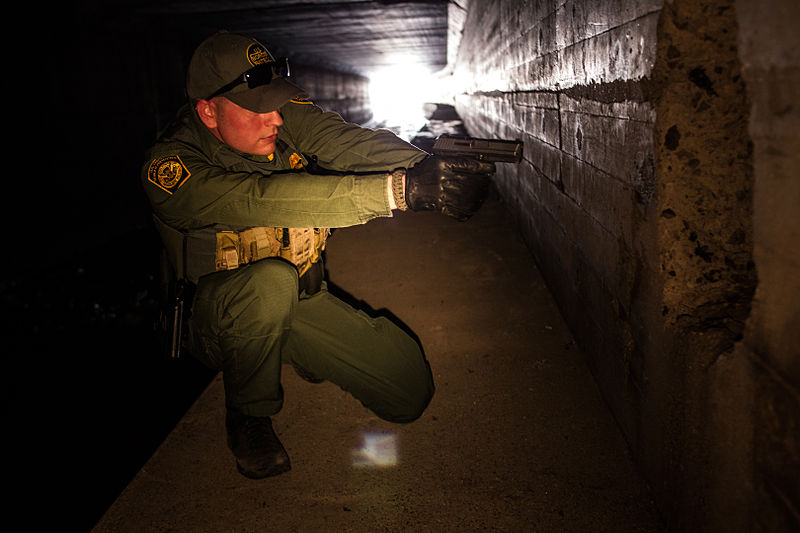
660, 158
342, 92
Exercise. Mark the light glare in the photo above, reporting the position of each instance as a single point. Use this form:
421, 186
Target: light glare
378, 450
397, 96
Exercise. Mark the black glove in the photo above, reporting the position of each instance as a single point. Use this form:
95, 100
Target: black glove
454, 186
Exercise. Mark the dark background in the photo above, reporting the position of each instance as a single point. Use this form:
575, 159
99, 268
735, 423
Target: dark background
88, 392
89, 395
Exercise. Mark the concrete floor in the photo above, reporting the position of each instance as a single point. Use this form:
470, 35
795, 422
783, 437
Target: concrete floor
516, 438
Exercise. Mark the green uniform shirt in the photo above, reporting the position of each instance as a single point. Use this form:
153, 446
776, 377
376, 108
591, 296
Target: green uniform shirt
198, 185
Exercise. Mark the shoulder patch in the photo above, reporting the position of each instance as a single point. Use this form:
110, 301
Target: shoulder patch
300, 101
168, 173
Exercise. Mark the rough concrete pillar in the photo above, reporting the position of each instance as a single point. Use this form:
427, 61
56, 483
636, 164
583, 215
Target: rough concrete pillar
646, 197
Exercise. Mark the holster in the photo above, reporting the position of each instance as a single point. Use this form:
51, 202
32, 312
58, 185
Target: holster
311, 281
175, 309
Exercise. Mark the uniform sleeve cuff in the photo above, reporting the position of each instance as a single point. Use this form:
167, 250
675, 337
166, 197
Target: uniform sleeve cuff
398, 189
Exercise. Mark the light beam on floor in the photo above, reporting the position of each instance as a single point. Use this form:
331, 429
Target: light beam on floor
377, 450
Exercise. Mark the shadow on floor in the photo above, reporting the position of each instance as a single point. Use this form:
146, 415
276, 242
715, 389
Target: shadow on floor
517, 437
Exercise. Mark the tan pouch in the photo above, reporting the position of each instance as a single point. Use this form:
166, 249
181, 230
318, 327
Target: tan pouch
227, 256
259, 243
304, 246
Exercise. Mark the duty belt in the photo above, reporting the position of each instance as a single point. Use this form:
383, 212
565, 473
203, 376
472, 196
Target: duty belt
300, 246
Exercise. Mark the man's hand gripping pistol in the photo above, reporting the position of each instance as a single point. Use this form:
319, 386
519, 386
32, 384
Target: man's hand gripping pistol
454, 179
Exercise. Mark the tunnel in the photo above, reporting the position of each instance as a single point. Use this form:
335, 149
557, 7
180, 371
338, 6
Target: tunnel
655, 208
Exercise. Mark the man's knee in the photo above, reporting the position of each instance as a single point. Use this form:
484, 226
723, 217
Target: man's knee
258, 299
272, 271
271, 283
414, 409
409, 405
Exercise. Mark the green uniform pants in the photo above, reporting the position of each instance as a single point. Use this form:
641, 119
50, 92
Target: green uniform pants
249, 322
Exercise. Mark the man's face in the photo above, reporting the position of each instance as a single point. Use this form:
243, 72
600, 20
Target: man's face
240, 128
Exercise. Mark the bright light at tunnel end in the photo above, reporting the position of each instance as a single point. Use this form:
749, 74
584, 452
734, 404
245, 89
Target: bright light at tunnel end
397, 95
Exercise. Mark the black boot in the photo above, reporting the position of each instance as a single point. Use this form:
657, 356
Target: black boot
255, 445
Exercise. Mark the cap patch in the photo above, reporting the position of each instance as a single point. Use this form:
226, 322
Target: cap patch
168, 173
258, 55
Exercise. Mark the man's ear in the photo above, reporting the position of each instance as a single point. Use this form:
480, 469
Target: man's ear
207, 111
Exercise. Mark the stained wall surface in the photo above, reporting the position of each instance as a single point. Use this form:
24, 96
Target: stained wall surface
771, 67
660, 166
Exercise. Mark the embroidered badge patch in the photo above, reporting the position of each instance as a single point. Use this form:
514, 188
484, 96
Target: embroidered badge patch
168, 173
258, 55
295, 161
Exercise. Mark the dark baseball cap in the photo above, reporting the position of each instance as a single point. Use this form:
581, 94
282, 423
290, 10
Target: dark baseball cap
240, 69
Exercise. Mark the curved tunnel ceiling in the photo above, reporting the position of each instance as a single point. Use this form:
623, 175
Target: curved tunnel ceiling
358, 36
